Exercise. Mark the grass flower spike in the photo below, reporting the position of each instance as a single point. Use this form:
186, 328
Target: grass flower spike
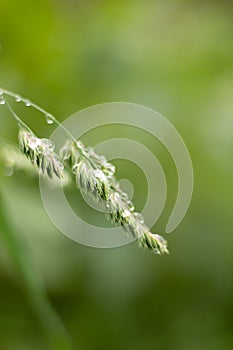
41, 152
94, 175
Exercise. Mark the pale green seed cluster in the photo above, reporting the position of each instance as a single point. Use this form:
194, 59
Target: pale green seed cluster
95, 176
41, 153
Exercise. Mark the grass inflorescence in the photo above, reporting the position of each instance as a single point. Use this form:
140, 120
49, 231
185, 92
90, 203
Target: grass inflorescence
94, 175
41, 152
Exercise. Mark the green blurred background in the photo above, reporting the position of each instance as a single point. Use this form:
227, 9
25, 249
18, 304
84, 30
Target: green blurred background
177, 58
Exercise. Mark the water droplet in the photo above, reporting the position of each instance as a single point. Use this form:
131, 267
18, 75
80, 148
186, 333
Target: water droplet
1, 92
117, 196
99, 174
109, 169
124, 196
90, 151
126, 213
49, 119
75, 167
8, 171
2, 101
48, 143
130, 205
18, 98
27, 103
102, 160
34, 143
114, 196
139, 217
80, 144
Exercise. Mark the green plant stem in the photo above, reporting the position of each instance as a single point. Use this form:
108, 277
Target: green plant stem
19, 121
38, 108
51, 324
45, 113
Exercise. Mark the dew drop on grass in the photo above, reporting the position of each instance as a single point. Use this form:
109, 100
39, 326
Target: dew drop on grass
126, 213
139, 217
109, 169
48, 143
1, 92
75, 167
18, 98
130, 205
80, 145
8, 171
27, 103
34, 143
103, 160
49, 119
99, 174
2, 101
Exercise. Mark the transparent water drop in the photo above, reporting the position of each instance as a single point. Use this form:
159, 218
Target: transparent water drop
75, 167
130, 205
159, 238
102, 159
109, 169
114, 196
85, 153
18, 98
126, 213
1, 92
124, 196
48, 143
90, 151
139, 217
27, 103
156, 251
99, 174
2, 101
8, 171
80, 144
34, 143
117, 195
49, 119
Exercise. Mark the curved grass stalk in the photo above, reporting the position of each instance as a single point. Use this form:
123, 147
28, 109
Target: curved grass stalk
95, 176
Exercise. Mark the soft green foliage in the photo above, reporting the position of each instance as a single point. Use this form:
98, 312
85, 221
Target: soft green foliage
13, 160
51, 325
177, 58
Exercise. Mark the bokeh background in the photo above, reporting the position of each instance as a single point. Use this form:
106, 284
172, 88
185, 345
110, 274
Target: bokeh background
177, 58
